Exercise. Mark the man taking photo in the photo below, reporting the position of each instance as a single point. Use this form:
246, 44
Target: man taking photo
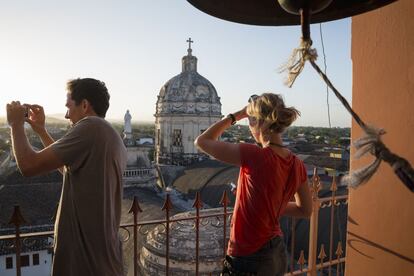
92, 158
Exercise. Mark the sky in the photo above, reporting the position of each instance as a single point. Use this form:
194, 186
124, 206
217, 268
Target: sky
135, 46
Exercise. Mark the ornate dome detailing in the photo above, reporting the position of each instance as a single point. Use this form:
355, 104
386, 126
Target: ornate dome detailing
188, 92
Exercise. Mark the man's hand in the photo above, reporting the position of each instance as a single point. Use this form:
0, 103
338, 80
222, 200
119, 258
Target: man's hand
36, 118
16, 114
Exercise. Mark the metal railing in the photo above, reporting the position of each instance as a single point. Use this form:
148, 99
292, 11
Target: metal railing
331, 202
315, 261
138, 173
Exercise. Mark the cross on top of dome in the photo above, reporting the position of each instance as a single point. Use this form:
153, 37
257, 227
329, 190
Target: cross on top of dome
189, 42
189, 45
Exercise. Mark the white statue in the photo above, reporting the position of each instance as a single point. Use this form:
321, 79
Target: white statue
127, 123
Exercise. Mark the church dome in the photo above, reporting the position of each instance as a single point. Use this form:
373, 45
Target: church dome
188, 92
182, 239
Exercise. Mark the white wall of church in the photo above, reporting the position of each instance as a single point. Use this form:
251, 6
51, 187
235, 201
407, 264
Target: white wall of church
190, 126
43, 268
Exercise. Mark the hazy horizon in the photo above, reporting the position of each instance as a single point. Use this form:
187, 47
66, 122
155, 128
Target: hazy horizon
140, 122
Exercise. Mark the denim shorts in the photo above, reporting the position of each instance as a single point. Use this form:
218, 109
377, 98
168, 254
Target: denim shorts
269, 260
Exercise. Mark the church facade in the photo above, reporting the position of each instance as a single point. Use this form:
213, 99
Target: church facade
186, 106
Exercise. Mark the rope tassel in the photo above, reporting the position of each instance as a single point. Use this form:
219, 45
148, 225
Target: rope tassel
365, 145
297, 60
361, 176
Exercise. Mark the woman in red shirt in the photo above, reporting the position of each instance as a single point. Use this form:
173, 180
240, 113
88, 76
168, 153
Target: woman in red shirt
270, 175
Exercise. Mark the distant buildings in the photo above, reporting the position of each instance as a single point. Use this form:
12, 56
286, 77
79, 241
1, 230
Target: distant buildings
140, 171
145, 141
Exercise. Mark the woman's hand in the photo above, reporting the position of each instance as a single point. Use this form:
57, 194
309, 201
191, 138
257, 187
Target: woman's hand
209, 142
241, 114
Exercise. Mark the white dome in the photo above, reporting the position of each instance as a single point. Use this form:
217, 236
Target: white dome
188, 93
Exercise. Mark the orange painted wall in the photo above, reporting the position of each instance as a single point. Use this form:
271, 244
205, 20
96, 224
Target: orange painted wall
380, 234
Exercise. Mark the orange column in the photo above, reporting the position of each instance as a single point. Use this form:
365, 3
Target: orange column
380, 238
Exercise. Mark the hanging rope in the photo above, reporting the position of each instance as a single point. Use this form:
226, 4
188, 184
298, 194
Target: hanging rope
324, 70
370, 143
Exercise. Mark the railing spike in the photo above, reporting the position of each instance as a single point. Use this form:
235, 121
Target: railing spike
334, 186
167, 207
167, 203
292, 243
17, 217
301, 260
339, 250
197, 202
135, 208
224, 199
225, 202
316, 184
339, 253
322, 254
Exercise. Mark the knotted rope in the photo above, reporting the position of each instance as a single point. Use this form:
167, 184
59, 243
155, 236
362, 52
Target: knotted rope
370, 143
297, 60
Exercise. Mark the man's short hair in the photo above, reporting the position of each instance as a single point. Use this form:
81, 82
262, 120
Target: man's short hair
92, 90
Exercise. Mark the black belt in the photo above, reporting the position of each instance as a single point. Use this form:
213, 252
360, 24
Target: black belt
272, 243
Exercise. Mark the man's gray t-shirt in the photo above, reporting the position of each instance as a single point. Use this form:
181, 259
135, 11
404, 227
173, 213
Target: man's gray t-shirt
88, 218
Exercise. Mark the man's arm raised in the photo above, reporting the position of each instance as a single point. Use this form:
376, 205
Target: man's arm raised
36, 119
29, 161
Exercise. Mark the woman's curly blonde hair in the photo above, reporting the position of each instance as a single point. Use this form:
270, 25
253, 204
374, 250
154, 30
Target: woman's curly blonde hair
270, 111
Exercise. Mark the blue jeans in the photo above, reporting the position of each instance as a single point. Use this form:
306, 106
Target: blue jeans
270, 260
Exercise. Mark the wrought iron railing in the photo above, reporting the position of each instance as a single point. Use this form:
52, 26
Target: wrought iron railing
315, 261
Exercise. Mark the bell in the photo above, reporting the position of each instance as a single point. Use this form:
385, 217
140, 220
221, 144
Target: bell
284, 12
294, 7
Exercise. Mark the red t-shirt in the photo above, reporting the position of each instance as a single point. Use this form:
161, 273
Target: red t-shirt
262, 196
